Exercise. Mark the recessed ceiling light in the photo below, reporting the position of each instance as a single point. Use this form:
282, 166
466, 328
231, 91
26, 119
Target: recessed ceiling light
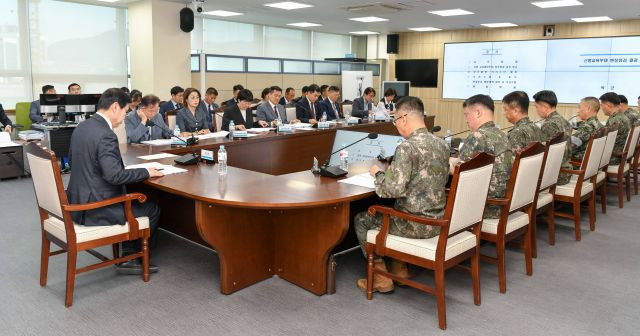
222, 13
364, 32
369, 19
288, 5
110, 1
592, 19
451, 12
304, 24
499, 24
557, 3
425, 29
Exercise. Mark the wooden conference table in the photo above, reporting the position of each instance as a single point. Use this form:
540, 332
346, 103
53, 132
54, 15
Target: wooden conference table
269, 215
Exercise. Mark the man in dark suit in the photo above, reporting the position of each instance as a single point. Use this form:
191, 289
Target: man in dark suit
6, 122
175, 102
362, 105
241, 113
330, 105
98, 173
288, 96
236, 88
209, 106
305, 89
34, 110
271, 111
308, 109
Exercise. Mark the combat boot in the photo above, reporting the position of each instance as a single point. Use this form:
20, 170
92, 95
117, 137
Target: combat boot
399, 268
381, 283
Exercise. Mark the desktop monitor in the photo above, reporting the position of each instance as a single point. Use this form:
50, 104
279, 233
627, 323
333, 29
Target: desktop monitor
366, 149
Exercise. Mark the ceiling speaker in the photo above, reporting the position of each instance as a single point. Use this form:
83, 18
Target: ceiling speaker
186, 20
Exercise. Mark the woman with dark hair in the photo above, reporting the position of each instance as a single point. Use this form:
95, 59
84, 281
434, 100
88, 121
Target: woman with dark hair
192, 119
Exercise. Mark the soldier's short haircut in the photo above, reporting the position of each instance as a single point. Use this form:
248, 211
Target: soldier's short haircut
517, 99
611, 97
411, 105
623, 99
546, 96
479, 99
592, 102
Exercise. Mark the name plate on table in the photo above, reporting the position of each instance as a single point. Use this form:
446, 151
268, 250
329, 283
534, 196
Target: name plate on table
380, 117
285, 128
323, 124
353, 121
240, 134
206, 155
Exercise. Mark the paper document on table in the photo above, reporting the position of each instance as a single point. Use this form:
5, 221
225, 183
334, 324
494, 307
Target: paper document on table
361, 180
220, 134
260, 130
156, 156
301, 125
165, 169
5, 140
158, 142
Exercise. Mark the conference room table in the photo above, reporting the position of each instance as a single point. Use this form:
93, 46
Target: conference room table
269, 215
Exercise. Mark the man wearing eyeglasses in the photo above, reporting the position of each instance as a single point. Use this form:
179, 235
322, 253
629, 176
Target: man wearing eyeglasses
416, 179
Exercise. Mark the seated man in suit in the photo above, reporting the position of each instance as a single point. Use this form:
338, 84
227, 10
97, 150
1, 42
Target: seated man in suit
7, 126
362, 105
34, 110
308, 109
324, 92
271, 111
289, 94
389, 96
304, 90
136, 121
209, 105
175, 102
236, 88
98, 174
241, 113
74, 89
330, 105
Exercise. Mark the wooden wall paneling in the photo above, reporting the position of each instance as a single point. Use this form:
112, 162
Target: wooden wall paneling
224, 82
257, 82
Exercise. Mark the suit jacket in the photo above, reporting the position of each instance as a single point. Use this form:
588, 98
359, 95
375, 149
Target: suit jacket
234, 113
209, 114
283, 101
98, 172
167, 106
138, 132
34, 112
266, 113
3, 118
391, 106
359, 108
192, 123
304, 112
230, 102
328, 107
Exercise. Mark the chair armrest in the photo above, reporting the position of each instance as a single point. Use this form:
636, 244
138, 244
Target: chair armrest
619, 154
497, 201
572, 171
575, 163
386, 211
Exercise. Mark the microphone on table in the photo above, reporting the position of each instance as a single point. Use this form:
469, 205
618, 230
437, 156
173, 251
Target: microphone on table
436, 129
335, 171
187, 159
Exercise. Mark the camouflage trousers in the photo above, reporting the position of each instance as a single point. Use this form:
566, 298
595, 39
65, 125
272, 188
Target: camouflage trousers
364, 222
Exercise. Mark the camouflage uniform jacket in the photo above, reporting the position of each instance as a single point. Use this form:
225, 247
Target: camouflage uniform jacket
623, 124
489, 139
554, 124
633, 115
585, 129
416, 179
523, 133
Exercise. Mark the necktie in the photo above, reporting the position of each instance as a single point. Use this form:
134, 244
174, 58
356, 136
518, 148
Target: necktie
313, 110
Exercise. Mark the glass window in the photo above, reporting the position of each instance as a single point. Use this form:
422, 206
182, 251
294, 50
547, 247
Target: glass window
231, 38
221, 63
263, 65
375, 68
287, 43
15, 81
352, 67
326, 68
195, 63
327, 45
296, 66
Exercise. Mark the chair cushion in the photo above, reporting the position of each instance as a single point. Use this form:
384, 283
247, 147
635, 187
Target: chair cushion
569, 188
87, 233
426, 248
515, 221
601, 176
544, 198
613, 169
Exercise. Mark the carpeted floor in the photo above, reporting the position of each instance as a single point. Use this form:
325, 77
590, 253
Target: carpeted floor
578, 288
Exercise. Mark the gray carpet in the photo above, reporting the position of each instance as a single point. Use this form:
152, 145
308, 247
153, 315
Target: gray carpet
578, 288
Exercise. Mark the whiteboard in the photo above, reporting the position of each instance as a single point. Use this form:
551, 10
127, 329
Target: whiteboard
366, 149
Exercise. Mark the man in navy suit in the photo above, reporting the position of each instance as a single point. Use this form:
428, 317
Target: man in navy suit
98, 173
175, 102
330, 105
209, 106
362, 105
308, 109
34, 110
236, 88
289, 95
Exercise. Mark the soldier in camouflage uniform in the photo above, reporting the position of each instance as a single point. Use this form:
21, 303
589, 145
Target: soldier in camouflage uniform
516, 110
416, 179
554, 123
588, 113
633, 115
486, 137
610, 104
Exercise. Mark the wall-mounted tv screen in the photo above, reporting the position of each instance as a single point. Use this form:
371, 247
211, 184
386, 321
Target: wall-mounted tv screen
420, 72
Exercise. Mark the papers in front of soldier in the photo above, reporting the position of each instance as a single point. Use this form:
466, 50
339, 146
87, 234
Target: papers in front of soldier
361, 180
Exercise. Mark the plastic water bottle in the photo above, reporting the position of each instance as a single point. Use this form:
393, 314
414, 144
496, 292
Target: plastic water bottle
344, 159
447, 138
222, 160
232, 127
324, 117
176, 131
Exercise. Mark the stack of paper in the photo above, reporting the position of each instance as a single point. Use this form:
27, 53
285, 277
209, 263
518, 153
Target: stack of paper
5, 140
156, 156
260, 130
158, 142
165, 169
361, 180
30, 135
220, 134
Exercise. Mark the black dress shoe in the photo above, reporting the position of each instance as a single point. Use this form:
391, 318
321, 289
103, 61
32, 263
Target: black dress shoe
134, 267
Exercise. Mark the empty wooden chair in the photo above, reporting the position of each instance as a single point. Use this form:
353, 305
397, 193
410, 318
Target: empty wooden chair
622, 171
601, 177
517, 212
58, 227
580, 187
458, 239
